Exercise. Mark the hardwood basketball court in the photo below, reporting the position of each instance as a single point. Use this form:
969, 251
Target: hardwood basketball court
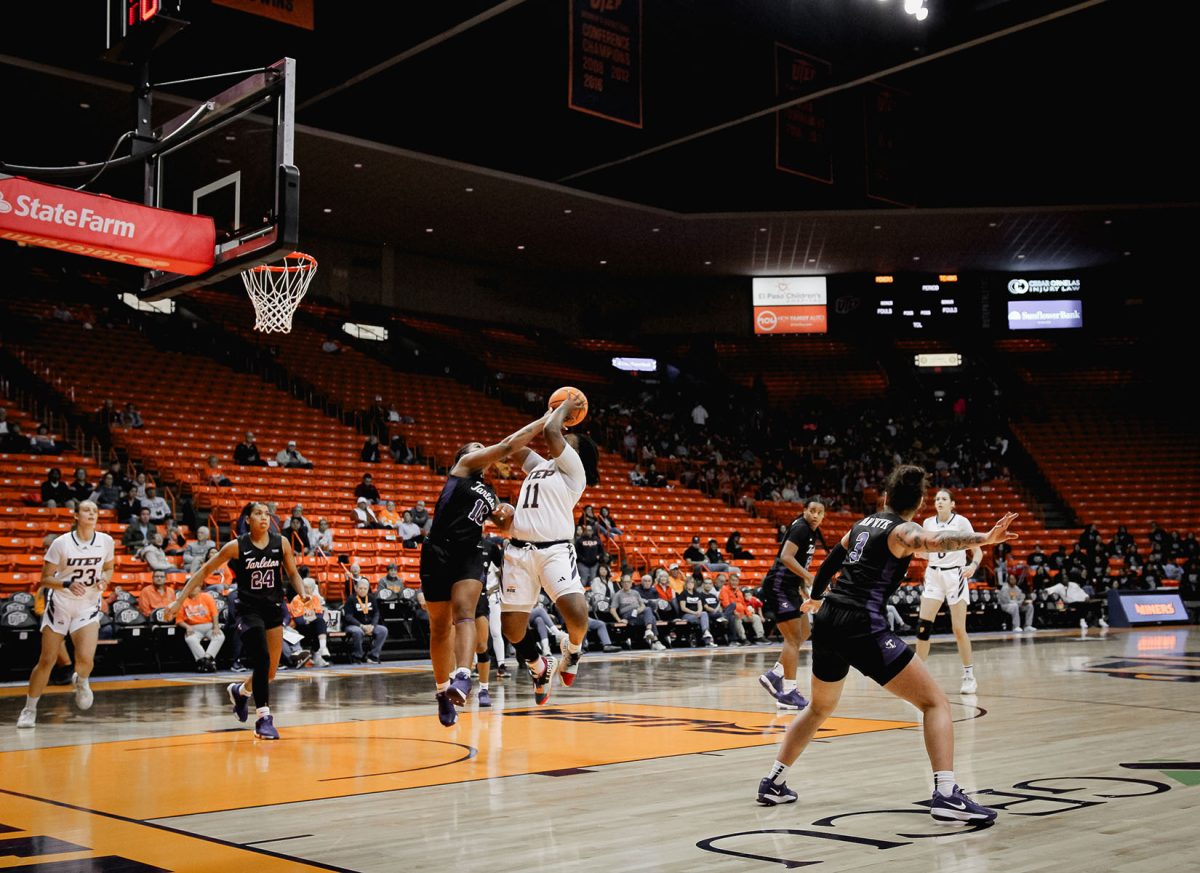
1086, 742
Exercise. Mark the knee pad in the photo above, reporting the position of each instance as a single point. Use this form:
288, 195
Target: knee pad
924, 629
484, 657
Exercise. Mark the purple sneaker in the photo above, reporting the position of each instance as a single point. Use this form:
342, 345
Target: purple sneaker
792, 700
957, 808
460, 689
485, 699
264, 729
772, 683
447, 714
241, 703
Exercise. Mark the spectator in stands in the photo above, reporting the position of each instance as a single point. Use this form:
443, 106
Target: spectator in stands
364, 516
152, 553
1059, 559
81, 488
291, 457
710, 601
55, 492
129, 506
214, 475
330, 346
587, 554
376, 418
370, 450
296, 537
107, 494
139, 531
361, 621
388, 515
409, 533
108, 415
607, 525
160, 510
1190, 547
320, 538
245, 453
733, 545
156, 595
196, 552
1121, 541
308, 612
666, 593
588, 516
699, 415
694, 553
366, 488
14, 442
421, 517
42, 442
391, 579
174, 542
603, 588
781, 533
3, 421
691, 609
637, 477
1171, 570
628, 608
131, 418
139, 486
663, 610
1158, 537
399, 450
1012, 600
715, 560
1076, 600
738, 612
200, 620
1090, 540
678, 578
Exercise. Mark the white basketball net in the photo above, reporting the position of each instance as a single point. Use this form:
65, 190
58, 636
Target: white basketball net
276, 290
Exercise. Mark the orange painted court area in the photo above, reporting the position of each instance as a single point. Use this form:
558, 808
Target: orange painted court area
142, 778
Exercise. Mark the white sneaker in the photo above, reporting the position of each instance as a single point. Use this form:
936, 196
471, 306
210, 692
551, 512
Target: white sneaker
83, 694
319, 661
27, 718
709, 642
1083, 623
1017, 629
969, 685
657, 646
324, 653
1030, 628
1103, 623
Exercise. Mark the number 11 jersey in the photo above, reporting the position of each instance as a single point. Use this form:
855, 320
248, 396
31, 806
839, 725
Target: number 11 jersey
545, 510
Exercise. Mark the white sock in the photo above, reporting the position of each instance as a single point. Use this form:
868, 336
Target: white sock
483, 686
778, 670
262, 711
461, 671
242, 690
778, 771
574, 648
943, 782
969, 670
789, 685
442, 686
31, 703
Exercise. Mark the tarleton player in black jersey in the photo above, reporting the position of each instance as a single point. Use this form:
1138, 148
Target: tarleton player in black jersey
452, 564
783, 591
261, 560
850, 629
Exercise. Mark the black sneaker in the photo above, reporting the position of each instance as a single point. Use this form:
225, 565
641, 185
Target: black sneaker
770, 794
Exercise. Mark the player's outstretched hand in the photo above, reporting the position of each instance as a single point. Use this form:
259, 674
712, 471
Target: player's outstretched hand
1000, 533
811, 605
170, 611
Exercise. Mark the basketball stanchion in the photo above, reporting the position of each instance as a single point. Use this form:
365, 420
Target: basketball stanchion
277, 289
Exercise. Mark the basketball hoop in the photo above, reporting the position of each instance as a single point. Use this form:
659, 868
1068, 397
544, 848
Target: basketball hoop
277, 289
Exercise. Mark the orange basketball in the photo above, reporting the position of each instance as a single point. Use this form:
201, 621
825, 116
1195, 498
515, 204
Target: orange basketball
580, 398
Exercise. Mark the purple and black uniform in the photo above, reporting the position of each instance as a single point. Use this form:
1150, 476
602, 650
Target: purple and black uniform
781, 587
851, 628
453, 551
258, 577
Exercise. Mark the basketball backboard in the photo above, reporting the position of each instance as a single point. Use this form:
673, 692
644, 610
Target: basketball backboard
232, 159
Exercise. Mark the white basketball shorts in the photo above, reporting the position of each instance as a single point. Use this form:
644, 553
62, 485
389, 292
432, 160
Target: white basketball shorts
949, 585
528, 570
65, 615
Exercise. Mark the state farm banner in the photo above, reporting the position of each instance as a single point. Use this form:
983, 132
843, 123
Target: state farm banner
604, 75
98, 226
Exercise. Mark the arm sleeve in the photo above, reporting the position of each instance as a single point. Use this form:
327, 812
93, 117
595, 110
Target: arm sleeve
831, 564
571, 468
532, 460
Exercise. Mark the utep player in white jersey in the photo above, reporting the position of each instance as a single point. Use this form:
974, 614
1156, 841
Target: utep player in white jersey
946, 578
541, 552
75, 573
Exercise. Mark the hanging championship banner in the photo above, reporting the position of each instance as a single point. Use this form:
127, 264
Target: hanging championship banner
604, 75
803, 135
889, 145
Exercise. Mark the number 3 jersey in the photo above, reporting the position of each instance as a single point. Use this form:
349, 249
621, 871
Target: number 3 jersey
870, 573
545, 510
462, 508
258, 573
80, 561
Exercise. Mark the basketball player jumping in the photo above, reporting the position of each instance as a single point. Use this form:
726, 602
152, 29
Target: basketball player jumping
75, 573
452, 559
784, 589
946, 578
541, 553
260, 559
850, 629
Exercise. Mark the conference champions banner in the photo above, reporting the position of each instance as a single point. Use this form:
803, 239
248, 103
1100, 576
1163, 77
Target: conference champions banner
604, 75
97, 226
790, 304
803, 135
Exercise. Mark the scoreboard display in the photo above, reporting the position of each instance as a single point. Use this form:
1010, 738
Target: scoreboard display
909, 304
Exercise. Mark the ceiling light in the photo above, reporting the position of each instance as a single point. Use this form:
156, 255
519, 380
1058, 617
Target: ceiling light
911, 6
358, 166
1108, 221
916, 257
327, 210
1020, 257
991, 224
656, 229
1127, 254
709, 263
812, 260
469, 190
520, 248
566, 212
878, 226
604, 262
229, 137
762, 230
85, 105
921, 14
429, 230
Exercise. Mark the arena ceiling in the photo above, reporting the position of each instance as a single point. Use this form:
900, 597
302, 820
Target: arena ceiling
1029, 134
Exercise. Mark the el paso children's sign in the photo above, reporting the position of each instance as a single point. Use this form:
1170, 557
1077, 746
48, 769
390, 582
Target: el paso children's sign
98, 226
790, 304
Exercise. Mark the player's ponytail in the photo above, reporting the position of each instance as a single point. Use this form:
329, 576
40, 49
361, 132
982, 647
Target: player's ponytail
589, 455
905, 486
